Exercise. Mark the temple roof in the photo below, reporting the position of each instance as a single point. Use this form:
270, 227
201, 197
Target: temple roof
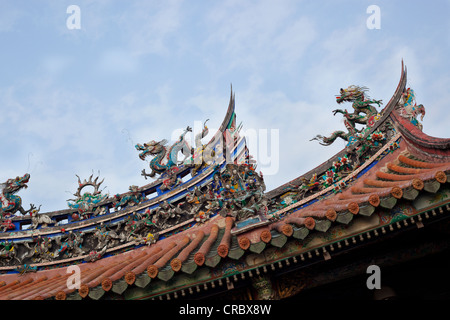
398, 185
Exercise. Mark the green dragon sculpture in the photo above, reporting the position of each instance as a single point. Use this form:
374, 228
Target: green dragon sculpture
165, 158
85, 202
9, 202
364, 113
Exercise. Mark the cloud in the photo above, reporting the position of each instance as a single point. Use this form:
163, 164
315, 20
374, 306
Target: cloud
54, 65
117, 61
150, 26
256, 33
290, 45
10, 16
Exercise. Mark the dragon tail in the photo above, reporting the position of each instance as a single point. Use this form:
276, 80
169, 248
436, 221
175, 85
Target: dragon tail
326, 141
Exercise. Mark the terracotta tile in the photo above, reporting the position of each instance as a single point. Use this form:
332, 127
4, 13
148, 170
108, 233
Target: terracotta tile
199, 257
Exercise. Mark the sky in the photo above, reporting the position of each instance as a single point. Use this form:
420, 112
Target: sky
78, 89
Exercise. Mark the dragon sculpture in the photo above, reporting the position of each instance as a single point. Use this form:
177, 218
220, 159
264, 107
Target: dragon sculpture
86, 202
165, 157
9, 202
131, 198
364, 113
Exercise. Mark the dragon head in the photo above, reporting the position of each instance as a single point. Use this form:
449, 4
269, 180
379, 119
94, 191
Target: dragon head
150, 148
14, 185
352, 93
